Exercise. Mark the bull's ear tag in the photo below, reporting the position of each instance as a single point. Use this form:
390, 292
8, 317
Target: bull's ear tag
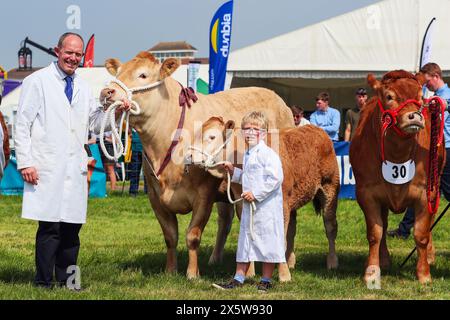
399, 173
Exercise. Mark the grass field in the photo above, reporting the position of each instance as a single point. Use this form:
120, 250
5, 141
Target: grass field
122, 256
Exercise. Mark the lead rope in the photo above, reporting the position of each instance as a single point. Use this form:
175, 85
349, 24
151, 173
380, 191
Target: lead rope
118, 147
436, 108
211, 163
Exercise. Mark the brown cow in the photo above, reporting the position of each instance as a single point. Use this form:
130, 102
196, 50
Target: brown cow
402, 139
310, 173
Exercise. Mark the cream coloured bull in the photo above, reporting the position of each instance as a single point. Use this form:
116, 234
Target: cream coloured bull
176, 191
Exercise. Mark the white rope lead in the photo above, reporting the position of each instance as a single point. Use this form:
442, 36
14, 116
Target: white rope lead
118, 148
211, 163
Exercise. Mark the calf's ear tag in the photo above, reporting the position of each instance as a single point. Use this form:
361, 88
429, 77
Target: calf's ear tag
398, 173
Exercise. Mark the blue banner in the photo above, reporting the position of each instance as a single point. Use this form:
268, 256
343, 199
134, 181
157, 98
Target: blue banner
219, 46
347, 179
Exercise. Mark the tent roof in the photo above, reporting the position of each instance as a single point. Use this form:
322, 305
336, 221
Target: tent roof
384, 36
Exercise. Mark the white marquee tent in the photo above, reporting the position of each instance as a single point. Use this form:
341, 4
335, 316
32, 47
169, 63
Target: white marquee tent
336, 55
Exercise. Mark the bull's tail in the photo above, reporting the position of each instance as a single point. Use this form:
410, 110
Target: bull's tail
319, 201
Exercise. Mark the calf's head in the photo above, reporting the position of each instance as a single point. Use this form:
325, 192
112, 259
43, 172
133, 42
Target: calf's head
209, 148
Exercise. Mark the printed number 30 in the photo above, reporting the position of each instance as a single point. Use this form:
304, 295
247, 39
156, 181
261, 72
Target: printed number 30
399, 170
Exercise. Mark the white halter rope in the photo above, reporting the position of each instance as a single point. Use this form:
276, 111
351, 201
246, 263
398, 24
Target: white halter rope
118, 147
211, 163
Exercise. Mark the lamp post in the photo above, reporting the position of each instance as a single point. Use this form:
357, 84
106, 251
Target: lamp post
25, 57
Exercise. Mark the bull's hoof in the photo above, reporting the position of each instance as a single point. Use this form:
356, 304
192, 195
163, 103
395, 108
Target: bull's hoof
332, 262
192, 275
373, 277
291, 261
424, 280
284, 275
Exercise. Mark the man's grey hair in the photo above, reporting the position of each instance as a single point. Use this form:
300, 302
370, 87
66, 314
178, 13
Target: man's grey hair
65, 35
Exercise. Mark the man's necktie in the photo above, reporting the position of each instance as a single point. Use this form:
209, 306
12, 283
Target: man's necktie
69, 90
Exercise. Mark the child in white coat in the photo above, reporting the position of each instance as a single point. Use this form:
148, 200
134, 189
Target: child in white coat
263, 238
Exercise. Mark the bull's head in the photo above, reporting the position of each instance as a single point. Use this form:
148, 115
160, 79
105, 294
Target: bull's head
394, 89
141, 71
213, 138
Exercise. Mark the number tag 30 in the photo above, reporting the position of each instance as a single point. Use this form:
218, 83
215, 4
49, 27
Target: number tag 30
399, 173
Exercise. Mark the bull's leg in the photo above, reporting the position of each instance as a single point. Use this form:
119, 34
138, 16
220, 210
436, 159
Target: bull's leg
200, 216
167, 220
374, 225
169, 225
385, 258
422, 236
431, 253
284, 275
290, 237
224, 221
330, 223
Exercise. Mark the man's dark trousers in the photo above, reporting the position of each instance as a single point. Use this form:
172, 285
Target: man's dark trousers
57, 246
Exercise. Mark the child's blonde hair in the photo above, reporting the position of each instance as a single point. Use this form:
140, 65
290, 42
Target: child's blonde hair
256, 118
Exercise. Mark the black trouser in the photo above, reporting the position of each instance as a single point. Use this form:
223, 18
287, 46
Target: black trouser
57, 246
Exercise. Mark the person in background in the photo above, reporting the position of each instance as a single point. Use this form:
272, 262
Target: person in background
326, 117
435, 83
4, 144
108, 164
352, 115
299, 119
136, 164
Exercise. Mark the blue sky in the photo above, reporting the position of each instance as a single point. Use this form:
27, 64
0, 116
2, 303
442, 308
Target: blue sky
123, 28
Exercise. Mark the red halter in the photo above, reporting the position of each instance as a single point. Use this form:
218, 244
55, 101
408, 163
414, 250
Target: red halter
389, 120
435, 108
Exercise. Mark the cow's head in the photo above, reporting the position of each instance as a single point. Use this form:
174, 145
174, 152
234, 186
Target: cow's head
394, 89
142, 70
210, 146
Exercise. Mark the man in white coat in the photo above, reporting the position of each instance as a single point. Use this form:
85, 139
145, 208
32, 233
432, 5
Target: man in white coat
261, 233
56, 111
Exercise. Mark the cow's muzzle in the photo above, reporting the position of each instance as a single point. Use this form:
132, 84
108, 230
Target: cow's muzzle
411, 122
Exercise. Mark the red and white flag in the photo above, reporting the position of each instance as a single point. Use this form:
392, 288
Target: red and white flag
89, 53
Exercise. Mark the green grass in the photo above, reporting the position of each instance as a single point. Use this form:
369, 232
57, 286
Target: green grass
123, 256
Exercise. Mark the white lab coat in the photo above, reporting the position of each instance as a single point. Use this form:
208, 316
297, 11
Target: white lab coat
262, 174
50, 135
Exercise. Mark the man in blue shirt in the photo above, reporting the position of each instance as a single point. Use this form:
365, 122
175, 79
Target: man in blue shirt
435, 83
326, 117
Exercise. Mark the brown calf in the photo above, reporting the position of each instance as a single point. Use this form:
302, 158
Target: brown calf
310, 173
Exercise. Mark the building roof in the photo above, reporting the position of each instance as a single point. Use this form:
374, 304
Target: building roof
199, 60
172, 46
